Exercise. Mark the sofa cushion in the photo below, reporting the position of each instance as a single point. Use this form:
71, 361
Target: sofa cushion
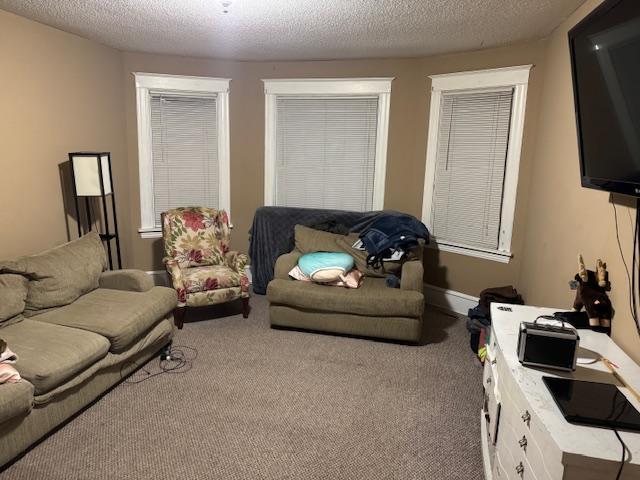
373, 298
48, 355
210, 277
309, 240
118, 315
15, 399
60, 275
13, 294
405, 329
128, 279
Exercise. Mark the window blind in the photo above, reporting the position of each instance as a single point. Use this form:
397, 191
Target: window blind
325, 152
473, 136
185, 152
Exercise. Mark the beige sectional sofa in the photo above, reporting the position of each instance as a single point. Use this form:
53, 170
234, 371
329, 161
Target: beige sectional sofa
77, 330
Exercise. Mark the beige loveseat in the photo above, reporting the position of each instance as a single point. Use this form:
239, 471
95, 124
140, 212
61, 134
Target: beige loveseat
77, 330
373, 310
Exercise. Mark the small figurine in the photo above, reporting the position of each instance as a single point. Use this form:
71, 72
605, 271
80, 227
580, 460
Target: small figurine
591, 293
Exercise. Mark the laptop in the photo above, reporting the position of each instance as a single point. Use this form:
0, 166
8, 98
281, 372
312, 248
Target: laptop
593, 404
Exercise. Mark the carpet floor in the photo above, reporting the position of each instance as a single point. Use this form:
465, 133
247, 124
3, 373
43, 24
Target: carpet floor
273, 404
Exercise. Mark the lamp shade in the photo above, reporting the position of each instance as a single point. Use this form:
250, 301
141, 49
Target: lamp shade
86, 173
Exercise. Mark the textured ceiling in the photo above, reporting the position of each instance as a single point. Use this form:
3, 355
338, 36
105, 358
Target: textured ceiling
300, 29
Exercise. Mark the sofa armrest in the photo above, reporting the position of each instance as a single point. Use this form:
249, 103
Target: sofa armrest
16, 399
177, 280
285, 264
236, 261
131, 280
412, 275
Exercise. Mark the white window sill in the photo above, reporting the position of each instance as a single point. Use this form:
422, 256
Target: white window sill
150, 232
494, 255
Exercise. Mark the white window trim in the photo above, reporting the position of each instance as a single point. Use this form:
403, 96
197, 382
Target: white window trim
516, 77
176, 84
366, 87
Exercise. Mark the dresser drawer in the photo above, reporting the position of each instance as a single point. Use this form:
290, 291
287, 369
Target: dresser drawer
537, 446
491, 406
510, 467
492, 345
490, 374
509, 446
499, 473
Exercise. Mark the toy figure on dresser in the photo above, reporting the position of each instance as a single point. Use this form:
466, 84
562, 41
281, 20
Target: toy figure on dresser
591, 293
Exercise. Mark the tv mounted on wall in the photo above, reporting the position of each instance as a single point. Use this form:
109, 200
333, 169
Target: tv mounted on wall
605, 61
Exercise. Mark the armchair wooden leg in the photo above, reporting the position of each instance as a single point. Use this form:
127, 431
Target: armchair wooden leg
245, 307
178, 316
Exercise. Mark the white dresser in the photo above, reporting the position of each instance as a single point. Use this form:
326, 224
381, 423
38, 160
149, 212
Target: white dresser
524, 435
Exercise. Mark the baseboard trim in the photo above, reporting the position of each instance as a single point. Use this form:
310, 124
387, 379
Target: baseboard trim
451, 300
160, 278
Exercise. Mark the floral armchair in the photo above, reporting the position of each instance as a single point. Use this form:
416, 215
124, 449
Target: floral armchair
197, 256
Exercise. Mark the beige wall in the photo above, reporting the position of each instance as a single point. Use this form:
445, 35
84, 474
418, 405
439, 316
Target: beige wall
66, 93
59, 93
62, 93
407, 141
73, 94
564, 219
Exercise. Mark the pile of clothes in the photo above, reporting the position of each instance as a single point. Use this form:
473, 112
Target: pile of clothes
480, 316
390, 236
8, 374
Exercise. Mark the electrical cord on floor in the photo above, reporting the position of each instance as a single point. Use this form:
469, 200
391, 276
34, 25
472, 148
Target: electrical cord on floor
179, 360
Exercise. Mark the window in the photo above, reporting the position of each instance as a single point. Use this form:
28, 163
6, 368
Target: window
326, 143
183, 145
473, 155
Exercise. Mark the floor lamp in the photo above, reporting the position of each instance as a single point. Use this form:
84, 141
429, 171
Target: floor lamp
91, 173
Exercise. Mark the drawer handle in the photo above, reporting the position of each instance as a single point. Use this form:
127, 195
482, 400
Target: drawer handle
520, 469
523, 442
526, 417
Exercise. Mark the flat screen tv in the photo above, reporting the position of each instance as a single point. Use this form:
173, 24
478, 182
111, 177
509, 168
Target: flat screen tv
605, 60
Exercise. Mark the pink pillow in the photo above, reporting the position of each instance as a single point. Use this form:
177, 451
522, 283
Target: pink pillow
8, 374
